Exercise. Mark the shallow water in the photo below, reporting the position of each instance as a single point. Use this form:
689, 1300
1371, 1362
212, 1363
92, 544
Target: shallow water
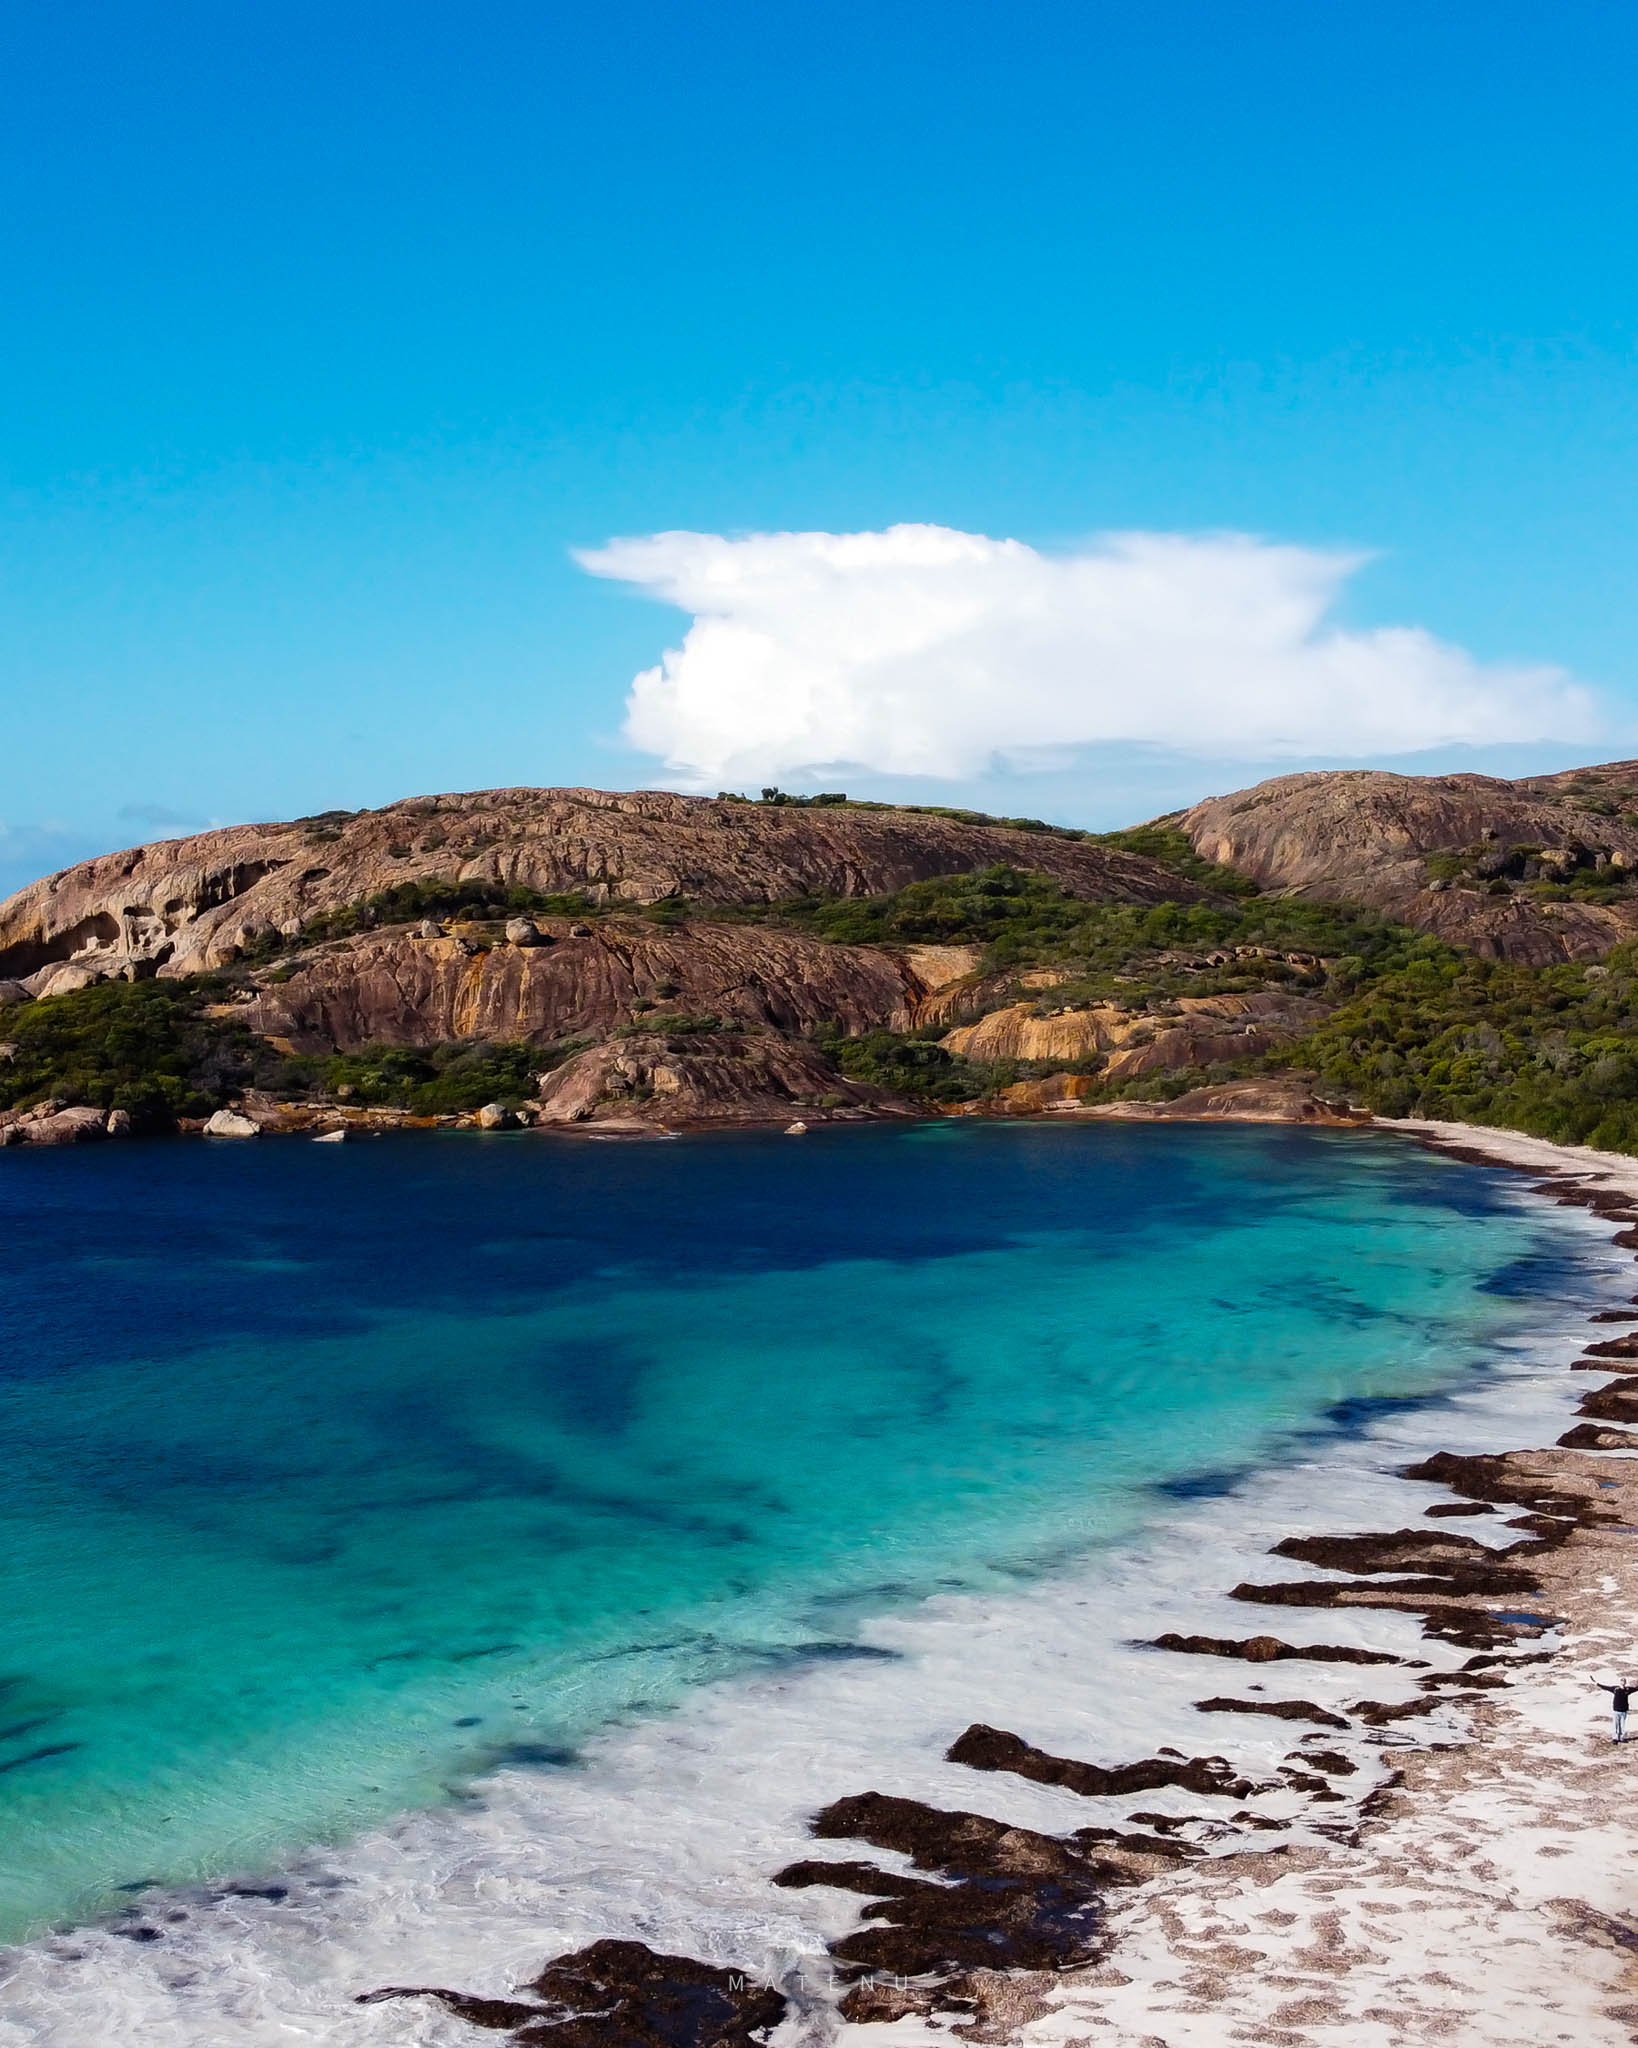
341, 1476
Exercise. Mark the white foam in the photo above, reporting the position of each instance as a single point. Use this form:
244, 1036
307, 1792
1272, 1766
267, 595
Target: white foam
668, 1831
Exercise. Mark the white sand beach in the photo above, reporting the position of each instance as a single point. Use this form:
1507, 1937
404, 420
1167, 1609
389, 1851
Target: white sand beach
1494, 1897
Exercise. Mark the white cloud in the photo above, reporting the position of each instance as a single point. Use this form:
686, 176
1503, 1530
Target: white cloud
925, 651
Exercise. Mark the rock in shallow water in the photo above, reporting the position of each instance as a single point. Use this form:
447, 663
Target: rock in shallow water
619, 1994
81, 1125
228, 1123
1269, 1649
993, 1749
1020, 1900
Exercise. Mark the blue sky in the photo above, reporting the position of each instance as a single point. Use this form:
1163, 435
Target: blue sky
329, 332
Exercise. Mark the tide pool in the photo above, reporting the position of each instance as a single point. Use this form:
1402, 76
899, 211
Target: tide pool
339, 1475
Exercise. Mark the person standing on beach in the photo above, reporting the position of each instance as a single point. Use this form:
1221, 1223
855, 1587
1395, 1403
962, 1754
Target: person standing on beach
1620, 1700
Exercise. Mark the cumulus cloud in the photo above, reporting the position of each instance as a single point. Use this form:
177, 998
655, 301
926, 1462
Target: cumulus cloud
925, 651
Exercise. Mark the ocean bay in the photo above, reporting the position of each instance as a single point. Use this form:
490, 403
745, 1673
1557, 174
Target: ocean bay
340, 1477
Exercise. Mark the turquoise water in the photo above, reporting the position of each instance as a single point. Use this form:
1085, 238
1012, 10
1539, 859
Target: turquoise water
339, 1474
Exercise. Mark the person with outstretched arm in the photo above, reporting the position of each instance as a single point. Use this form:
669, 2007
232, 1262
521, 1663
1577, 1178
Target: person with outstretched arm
1620, 1700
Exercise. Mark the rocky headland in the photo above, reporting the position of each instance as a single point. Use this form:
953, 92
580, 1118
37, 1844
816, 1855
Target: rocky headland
574, 957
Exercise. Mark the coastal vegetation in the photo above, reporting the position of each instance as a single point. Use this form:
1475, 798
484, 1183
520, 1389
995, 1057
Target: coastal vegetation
1420, 1030
150, 1048
1552, 1051
161, 1050
1023, 920
836, 799
912, 1064
435, 1080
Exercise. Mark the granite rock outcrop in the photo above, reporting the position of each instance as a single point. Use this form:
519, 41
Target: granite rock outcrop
717, 1077
1194, 1032
182, 905
1465, 857
50, 1123
1260, 1099
396, 987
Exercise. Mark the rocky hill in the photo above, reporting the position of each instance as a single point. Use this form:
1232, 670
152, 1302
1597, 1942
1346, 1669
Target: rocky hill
1537, 870
1439, 946
183, 905
630, 947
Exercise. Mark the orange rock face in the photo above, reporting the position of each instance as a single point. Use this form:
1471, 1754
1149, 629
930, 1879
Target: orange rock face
1205, 1028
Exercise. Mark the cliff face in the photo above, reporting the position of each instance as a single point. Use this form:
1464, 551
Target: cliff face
396, 988
185, 904
1367, 837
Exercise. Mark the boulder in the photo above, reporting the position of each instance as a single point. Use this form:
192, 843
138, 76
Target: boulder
64, 977
1030, 1098
118, 1123
228, 1123
522, 931
429, 928
1195, 1031
495, 1116
11, 994
78, 1126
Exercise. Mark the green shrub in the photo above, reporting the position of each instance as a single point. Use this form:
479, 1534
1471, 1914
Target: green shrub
907, 1064
1023, 920
1172, 849
146, 1047
436, 1080
1552, 1051
409, 902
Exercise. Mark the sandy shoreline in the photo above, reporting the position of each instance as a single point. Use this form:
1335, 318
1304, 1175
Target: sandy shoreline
1492, 1897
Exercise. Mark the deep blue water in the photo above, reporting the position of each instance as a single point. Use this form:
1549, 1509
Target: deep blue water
336, 1474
